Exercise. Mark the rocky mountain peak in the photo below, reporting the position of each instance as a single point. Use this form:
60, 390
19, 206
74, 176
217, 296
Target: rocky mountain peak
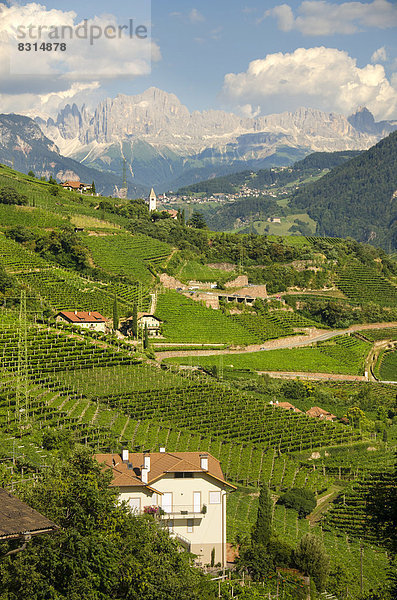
363, 120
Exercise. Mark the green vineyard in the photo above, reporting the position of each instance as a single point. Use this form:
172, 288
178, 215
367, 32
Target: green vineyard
341, 355
128, 255
188, 321
386, 368
362, 284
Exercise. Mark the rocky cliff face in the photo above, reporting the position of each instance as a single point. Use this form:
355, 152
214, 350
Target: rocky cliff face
24, 147
163, 143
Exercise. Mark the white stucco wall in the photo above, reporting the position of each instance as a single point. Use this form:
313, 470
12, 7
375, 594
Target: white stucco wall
204, 531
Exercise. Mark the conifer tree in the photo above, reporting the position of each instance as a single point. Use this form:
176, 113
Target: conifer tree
262, 529
115, 314
146, 338
93, 189
134, 327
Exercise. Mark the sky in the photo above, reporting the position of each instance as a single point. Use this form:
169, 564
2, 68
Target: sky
251, 57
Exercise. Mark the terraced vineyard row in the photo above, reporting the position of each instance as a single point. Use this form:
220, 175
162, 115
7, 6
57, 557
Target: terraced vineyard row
344, 549
329, 240
374, 335
293, 319
50, 352
348, 512
128, 255
239, 417
347, 350
63, 291
188, 321
386, 367
14, 258
275, 324
264, 327
365, 285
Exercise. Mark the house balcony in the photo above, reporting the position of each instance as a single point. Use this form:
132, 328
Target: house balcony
182, 511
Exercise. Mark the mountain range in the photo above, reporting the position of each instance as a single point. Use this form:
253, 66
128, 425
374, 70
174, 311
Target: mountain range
162, 143
24, 147
165, 145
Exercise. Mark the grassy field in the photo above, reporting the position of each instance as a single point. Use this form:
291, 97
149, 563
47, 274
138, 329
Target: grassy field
283, 228
327, 358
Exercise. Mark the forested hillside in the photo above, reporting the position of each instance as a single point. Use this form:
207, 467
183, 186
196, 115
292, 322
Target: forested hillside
357, 199
312, 163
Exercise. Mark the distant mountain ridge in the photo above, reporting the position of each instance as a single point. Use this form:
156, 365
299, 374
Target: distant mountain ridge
24, 147
166, 145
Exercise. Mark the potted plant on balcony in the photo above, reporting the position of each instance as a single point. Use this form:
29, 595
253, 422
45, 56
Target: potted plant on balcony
204, 509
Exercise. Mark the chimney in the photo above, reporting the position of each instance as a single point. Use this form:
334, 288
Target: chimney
75, 312
204, 462
144, 475
162, 450
125, 455
89, 313
146, 461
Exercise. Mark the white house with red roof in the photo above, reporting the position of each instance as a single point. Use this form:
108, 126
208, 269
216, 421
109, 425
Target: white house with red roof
76, 186
89, 320
186, 491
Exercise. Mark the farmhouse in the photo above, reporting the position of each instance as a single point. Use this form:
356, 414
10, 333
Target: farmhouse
172, 212
89, 320
152, 323
320, 413
76, 186
186, 491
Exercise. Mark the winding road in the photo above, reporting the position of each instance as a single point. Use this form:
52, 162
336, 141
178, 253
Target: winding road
296, 341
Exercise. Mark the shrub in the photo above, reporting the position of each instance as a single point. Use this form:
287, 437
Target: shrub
9, 195
312, 560
301, 500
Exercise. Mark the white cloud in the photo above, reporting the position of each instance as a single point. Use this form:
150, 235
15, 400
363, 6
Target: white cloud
247, 110
195, 16
379, 55
323, 78
48, 104
319, 17
113, 56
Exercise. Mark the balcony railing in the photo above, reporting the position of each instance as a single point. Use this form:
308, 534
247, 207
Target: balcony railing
182, 511
177, 511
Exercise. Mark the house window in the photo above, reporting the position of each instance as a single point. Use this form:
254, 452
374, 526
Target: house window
215, 497
134, 504
190, 525
183, 475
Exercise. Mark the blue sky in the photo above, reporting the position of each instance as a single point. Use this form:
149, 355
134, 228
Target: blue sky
203, 51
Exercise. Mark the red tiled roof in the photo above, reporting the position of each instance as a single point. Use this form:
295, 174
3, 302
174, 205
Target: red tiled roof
316, 411
75, 184
82, 316
160, 464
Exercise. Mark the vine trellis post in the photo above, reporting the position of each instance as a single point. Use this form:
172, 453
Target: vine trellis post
21, 388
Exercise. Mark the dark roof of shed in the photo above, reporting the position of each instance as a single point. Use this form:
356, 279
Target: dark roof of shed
17, 518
